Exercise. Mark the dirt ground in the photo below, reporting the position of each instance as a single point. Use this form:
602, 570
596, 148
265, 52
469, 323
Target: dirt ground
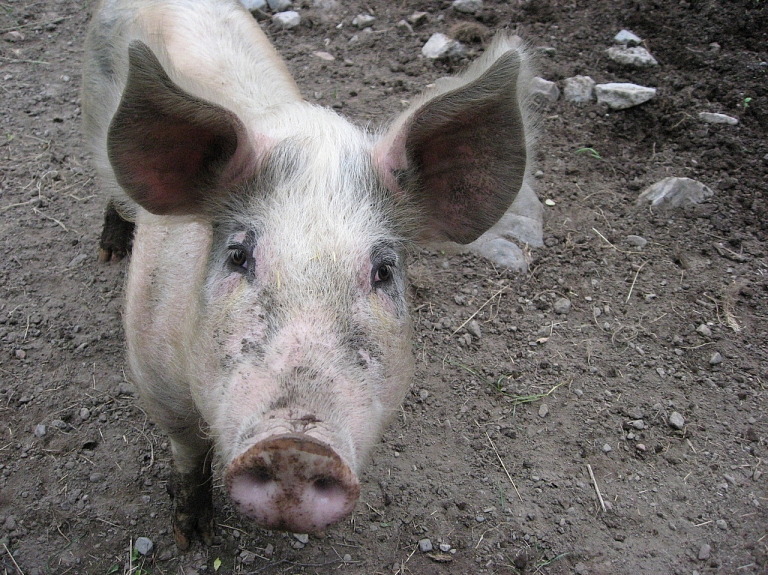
500, 446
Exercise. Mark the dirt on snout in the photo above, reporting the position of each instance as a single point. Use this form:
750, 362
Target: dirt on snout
603, 413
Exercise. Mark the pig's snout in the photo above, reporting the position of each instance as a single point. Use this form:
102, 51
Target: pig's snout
293, 483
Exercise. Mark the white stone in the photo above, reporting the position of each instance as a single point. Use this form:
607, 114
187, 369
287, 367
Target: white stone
441, 46
674, 192
287, 20
279, 5
467, 6
627, 37
714, 118
579, 89
417, 18
324, 56
676, 420
621, 95
637, 56
363, 20
544, 89
425, 545
254, 4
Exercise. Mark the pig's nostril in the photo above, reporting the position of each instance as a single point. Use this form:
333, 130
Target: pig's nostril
327, 484
260, 474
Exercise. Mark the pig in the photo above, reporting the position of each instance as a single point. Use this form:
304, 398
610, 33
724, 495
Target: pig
266, 319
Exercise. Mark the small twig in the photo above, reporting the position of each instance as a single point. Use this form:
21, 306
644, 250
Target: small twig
605, 239
13, 560
38, 212
21, 61
480, 309
597, 489
633, 282
503, 466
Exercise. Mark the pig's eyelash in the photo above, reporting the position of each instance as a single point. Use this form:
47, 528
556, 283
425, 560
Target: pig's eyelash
237, 257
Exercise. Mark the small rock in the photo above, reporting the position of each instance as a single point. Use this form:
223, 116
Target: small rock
85, 413
441, 46
269, 550
467, 6
324, 56
637, 424
622, 95
722, 524
704, 330
676, 420
474, 328
287, 20
252, 5
14, 36
425, 545
39, 430
716, 359
363, 20
704, 552
301, 538
579, 89
423, 394
543, 410
96, 477
347, 558
713, 118
20, 354
636, 57
544, 90
607, 448
673, 192
562, 306
247, 557
10, 523
637, 241
279, 5
444, 547
144, 545
417, 18
627, 38
640, 447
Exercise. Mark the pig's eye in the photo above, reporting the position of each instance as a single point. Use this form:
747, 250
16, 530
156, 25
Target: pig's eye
237, 256
382, 275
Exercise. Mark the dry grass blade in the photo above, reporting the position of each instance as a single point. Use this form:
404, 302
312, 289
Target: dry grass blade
503, 466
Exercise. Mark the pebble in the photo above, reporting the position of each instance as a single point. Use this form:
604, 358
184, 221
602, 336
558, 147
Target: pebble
607, 448
704, 330
324, 56
467, 6
347, 558
628, 38
641, 447
441, 46
252, 5
704, 552
40, 430
95, 477
562, 305
423, 394
578, 89
673, 192
417, 18
721, 524
144, 545
287, 20
444, 547
544, 90
622, 95
10, 523
637, 424
301, 538
543, 410
85, 413
279, 5
637, 241
716, 358
474, 328
77, 260
636, 57
425, 545
20, 354
713, 118
676, 420
363, 20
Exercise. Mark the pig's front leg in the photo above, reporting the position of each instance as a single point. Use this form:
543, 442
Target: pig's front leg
191, 488
116, 236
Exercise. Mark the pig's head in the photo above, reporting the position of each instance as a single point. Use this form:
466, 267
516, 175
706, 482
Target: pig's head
301, 346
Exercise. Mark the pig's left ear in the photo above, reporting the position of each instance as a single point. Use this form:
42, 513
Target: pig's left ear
171, 151
460, 153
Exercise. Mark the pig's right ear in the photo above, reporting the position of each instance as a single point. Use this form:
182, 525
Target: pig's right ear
459, 153
169, 150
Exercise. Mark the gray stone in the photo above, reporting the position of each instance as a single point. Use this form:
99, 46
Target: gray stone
543, 410
562, 305
286, 20
637, 424
676, 421
279, 5
77, 260
85, 413
144, 545
417, 18
579, 89
301, 538
716, 358
675, 192
474, 328
704, 330
467, 6
544, 90
714, 118
252, 5
722, 524
635, 57
704, 552
444, 547
363, 20
39, 430
637, 241
437, 46
622, 95
627, 38
425, 545
607, 448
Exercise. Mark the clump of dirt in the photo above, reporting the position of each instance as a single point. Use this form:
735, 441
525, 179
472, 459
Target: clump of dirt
638, 370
